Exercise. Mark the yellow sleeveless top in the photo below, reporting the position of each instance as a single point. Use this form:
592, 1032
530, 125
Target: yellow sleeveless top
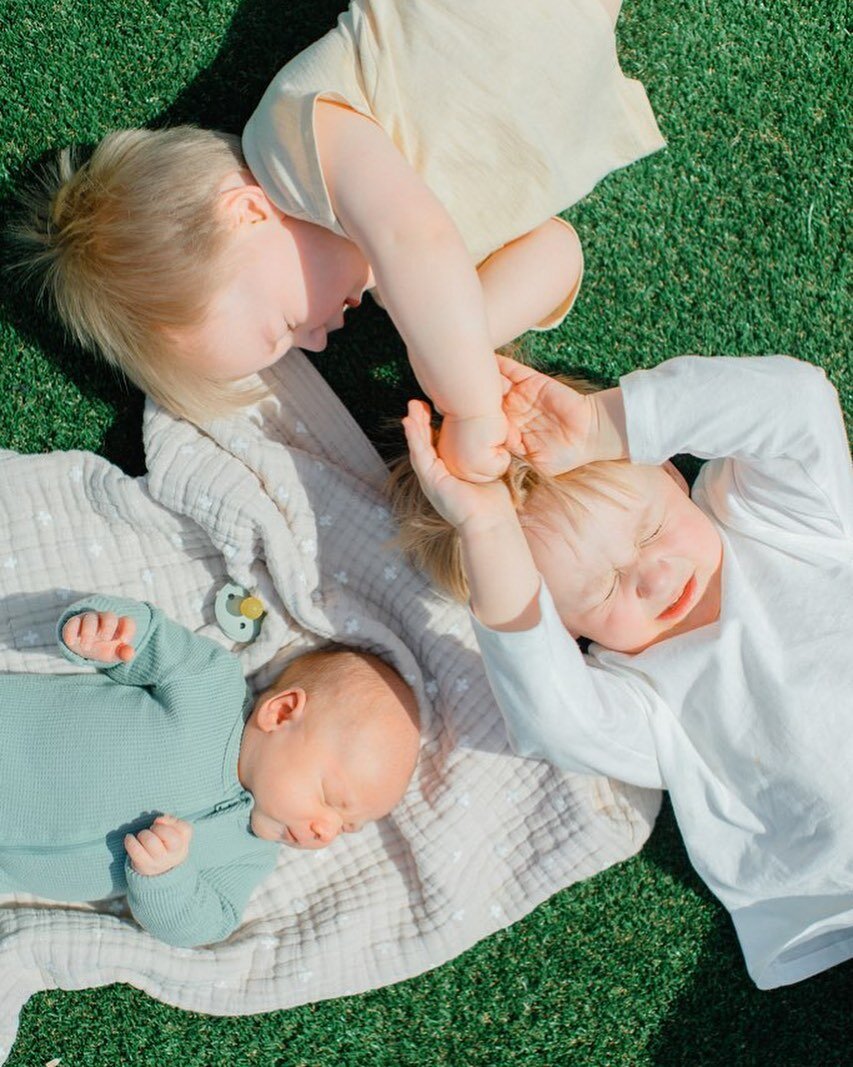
509, 110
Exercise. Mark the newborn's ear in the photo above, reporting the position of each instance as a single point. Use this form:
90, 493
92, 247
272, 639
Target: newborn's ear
676, 476
288, 705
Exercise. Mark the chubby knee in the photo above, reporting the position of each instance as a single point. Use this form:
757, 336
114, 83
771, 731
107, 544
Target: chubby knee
561, 246
564, 241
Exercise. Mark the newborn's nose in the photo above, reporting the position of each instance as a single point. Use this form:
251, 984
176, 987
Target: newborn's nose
322, 832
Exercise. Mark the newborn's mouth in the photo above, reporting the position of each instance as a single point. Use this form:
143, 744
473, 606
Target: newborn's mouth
682, 602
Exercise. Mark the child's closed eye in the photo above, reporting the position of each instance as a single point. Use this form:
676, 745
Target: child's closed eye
650, 537
614, 585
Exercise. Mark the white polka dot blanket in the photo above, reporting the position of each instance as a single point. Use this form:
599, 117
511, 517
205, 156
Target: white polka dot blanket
287, 500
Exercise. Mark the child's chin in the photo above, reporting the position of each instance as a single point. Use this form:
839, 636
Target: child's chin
631, 646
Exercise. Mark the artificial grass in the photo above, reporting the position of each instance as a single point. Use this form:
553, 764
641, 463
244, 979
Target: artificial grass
731, 241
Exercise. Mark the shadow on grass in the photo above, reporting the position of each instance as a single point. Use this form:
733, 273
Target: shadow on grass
722, 1020
20, 308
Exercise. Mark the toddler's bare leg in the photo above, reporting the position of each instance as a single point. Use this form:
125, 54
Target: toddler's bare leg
524, 281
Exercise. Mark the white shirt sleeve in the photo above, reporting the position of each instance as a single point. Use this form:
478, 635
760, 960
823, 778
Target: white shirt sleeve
776, 420
559, 707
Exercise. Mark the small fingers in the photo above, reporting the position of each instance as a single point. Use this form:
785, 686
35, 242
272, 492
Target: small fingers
107, 625
88, 627
126, 629
172, 828
170, 838
419, 437
515, 441
514, 371
492, 469
137, 853
71, 630
150, 841
150, 849
418, 417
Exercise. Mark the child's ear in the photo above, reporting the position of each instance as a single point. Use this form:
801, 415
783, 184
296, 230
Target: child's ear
245, 204
286, 706
676, 475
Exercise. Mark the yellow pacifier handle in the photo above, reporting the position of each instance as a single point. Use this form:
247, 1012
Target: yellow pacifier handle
251, 607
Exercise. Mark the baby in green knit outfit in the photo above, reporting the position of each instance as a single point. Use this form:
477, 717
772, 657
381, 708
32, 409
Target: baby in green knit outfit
161, 777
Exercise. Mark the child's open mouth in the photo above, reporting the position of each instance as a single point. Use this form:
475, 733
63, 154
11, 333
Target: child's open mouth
679, 606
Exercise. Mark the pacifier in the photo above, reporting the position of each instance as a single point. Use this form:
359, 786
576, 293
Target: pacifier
238, 613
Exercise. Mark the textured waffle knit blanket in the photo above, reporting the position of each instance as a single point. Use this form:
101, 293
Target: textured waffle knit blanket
287, 500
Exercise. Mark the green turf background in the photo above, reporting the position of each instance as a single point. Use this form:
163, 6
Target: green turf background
732, 241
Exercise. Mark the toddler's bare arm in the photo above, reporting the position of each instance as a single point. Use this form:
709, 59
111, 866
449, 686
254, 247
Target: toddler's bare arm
526, 280
501, 574
426, 278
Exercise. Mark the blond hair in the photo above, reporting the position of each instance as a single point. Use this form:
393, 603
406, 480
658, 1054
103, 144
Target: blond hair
432, 544
126, 247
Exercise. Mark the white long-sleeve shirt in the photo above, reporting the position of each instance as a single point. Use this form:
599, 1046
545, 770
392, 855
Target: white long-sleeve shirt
748, 722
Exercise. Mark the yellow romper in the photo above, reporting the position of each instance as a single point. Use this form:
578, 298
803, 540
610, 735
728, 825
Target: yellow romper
509, 110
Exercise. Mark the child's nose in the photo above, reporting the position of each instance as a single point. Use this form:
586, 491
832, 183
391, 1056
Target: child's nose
654, 579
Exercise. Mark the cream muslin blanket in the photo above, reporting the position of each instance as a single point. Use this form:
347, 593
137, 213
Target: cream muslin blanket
287, 499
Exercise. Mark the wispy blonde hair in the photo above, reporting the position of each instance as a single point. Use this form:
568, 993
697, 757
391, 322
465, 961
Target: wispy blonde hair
432, 544
126, 247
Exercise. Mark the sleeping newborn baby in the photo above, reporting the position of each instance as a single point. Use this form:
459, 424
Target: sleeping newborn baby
161, 777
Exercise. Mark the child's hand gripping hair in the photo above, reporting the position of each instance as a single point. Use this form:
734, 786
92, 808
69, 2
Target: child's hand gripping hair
105, 637
474, 446
554, 427
502, 578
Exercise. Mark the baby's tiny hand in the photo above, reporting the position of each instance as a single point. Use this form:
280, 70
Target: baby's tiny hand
166, 844
100, 635
474, 448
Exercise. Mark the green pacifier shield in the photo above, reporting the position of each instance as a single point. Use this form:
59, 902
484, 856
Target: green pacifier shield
238, 613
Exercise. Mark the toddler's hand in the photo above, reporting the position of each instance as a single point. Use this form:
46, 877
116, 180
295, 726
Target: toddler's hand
165, 845
100, 635
474, 448
456, 500
551, 425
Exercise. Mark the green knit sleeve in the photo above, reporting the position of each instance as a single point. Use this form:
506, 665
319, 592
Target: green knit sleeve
191, 906
165, 651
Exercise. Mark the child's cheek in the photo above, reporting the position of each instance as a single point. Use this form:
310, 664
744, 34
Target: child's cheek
628, 627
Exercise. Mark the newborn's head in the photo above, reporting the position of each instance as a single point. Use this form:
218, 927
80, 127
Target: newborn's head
328, 747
